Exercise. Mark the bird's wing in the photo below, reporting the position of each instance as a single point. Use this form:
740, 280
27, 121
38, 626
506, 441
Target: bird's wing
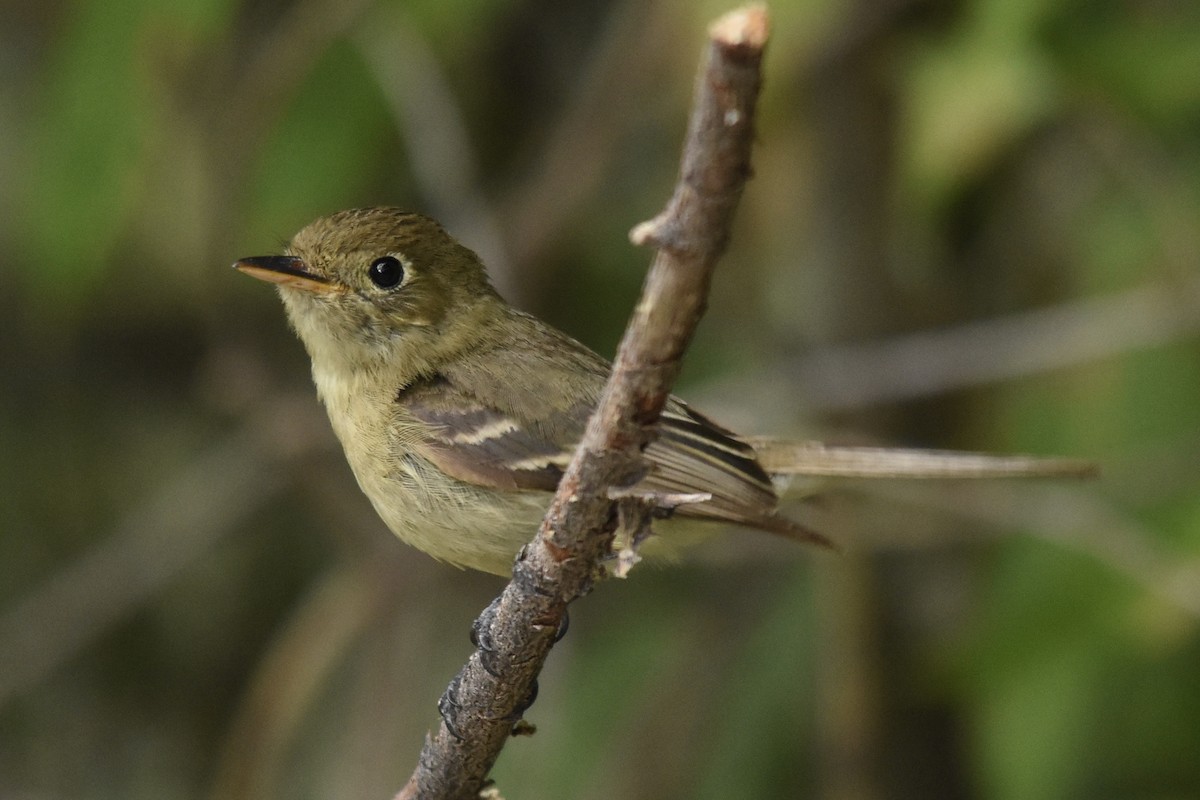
693, 453
479, 442
518, 431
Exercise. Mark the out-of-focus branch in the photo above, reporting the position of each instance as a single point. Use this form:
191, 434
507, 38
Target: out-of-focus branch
179, 521
337, 610
512, 231
857, 375
176, 523
433, 131
245, 94
622, 67
1083, 521
1033, 342
486, 699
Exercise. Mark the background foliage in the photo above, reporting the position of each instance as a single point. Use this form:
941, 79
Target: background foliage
973, 225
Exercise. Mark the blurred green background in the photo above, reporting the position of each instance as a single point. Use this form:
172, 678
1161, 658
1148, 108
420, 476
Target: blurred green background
972, 225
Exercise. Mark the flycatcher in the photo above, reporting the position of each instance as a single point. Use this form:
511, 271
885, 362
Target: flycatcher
458, 413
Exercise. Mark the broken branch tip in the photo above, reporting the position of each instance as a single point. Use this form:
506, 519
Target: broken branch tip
745, 27
645, 233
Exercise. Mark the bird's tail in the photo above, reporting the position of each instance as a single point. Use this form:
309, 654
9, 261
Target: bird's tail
814, 459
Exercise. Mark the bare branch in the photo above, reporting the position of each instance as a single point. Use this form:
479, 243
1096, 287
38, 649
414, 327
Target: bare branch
486, 699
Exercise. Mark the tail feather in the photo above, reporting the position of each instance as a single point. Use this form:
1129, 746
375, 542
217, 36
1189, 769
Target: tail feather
790, 529
815, 459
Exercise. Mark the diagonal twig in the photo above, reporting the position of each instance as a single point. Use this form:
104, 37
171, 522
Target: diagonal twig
514, 635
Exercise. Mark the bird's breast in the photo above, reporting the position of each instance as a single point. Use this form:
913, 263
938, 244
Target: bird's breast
451, 520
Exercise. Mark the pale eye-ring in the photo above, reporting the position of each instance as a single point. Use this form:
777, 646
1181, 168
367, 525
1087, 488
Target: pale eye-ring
386, 272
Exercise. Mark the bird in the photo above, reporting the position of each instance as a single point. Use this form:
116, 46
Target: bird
458, 413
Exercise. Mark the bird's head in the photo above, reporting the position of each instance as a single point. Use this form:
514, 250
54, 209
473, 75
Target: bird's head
377, 285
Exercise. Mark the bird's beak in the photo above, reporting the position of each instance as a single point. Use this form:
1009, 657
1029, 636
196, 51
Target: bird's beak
286, 271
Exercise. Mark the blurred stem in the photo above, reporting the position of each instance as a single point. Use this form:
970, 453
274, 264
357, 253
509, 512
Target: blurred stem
315, 639
849, 706
513, 233
852, 376
265, 75
604, 105
172, 528
433, 129
854, 127
1077, 519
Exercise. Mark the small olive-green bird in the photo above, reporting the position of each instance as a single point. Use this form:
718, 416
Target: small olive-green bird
458, 413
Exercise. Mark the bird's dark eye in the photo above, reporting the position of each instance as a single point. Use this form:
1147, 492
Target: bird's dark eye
387, 272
